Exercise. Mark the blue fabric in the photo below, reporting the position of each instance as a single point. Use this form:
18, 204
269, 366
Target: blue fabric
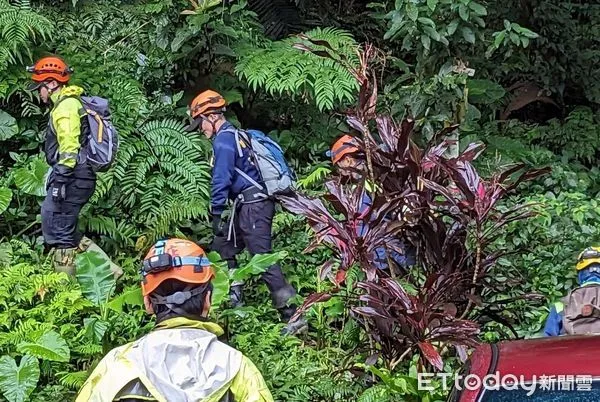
585, 276
553, 325
381, 261
226, 182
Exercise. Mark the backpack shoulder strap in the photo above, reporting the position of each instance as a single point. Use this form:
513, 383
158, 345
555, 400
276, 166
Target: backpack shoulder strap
241, 134
250, 179
244, 137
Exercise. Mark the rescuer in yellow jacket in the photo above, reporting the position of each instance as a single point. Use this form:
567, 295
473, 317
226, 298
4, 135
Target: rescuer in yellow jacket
181, 359
71, 181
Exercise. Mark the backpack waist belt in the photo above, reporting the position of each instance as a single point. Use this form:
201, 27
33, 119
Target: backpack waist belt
252, 195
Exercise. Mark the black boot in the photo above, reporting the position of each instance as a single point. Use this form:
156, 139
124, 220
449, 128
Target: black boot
280, 301
292, 328
236, 295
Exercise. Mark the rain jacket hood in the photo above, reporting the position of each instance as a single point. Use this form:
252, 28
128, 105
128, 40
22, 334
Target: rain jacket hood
69, 90
181, 360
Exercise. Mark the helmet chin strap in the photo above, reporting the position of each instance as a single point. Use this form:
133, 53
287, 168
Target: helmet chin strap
173, 301
50, 90
213, 124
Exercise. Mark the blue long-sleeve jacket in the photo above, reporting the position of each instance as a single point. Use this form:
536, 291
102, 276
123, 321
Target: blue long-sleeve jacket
226, 182
554, 322
381, 261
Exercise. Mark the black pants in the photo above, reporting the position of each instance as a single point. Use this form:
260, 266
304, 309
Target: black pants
59, 218
252, 226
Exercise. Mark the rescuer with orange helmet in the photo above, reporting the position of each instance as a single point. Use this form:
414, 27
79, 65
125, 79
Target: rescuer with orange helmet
348, 157
182, 359
71, 181
236, 177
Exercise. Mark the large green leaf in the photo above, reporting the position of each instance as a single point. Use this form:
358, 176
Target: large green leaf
221, 280
32, 179
132, 297
50, 346
17, 383
5, 198
484, 91
8, 126
6, 254
95, 277
257, 265
95, 328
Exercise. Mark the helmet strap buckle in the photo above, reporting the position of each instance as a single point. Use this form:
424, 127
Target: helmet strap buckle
178, 298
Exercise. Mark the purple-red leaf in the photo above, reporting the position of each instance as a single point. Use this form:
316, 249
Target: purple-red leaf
309, 301
325, 270
431, 354
370, 312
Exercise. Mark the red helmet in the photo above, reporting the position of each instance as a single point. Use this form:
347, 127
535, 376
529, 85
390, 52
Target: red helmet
50, 68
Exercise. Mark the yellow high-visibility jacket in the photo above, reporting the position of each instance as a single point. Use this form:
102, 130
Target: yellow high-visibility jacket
181, 360
63, 140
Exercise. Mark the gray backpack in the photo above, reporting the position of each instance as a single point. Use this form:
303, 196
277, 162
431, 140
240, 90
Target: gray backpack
103, 138
582, 310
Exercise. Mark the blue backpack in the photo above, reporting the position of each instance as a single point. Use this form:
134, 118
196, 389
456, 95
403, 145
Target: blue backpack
277, 176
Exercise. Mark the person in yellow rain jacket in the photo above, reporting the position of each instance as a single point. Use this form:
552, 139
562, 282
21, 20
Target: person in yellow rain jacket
181, 359
71, 182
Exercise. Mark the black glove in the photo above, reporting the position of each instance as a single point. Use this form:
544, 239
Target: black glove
62, 177
216, 226
58, 191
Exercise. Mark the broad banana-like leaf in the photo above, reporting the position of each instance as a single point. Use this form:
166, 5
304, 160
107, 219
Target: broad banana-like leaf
5, 198
257, 265
32, 179
8, 126
95, 328
133, 297
6, 254
95, 277
221, 280
49, 346
18, 382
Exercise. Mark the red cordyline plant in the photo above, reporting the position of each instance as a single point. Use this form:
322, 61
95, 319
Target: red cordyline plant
441, 207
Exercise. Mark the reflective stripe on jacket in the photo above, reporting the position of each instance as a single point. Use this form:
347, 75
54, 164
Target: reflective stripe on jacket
181, 360
63, 138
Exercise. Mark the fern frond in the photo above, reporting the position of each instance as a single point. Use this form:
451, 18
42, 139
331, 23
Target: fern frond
73, 380
88, 349
314, 177
19, 28
282, 69
24, 331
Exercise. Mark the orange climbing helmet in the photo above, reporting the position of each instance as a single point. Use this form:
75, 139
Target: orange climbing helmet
207, 102
177, 259
50, 68
345, 145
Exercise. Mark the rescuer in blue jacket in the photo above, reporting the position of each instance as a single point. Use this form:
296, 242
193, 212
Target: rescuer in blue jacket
252, 213
343, 156
579, 313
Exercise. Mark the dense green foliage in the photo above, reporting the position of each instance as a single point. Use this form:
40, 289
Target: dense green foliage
521, 78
